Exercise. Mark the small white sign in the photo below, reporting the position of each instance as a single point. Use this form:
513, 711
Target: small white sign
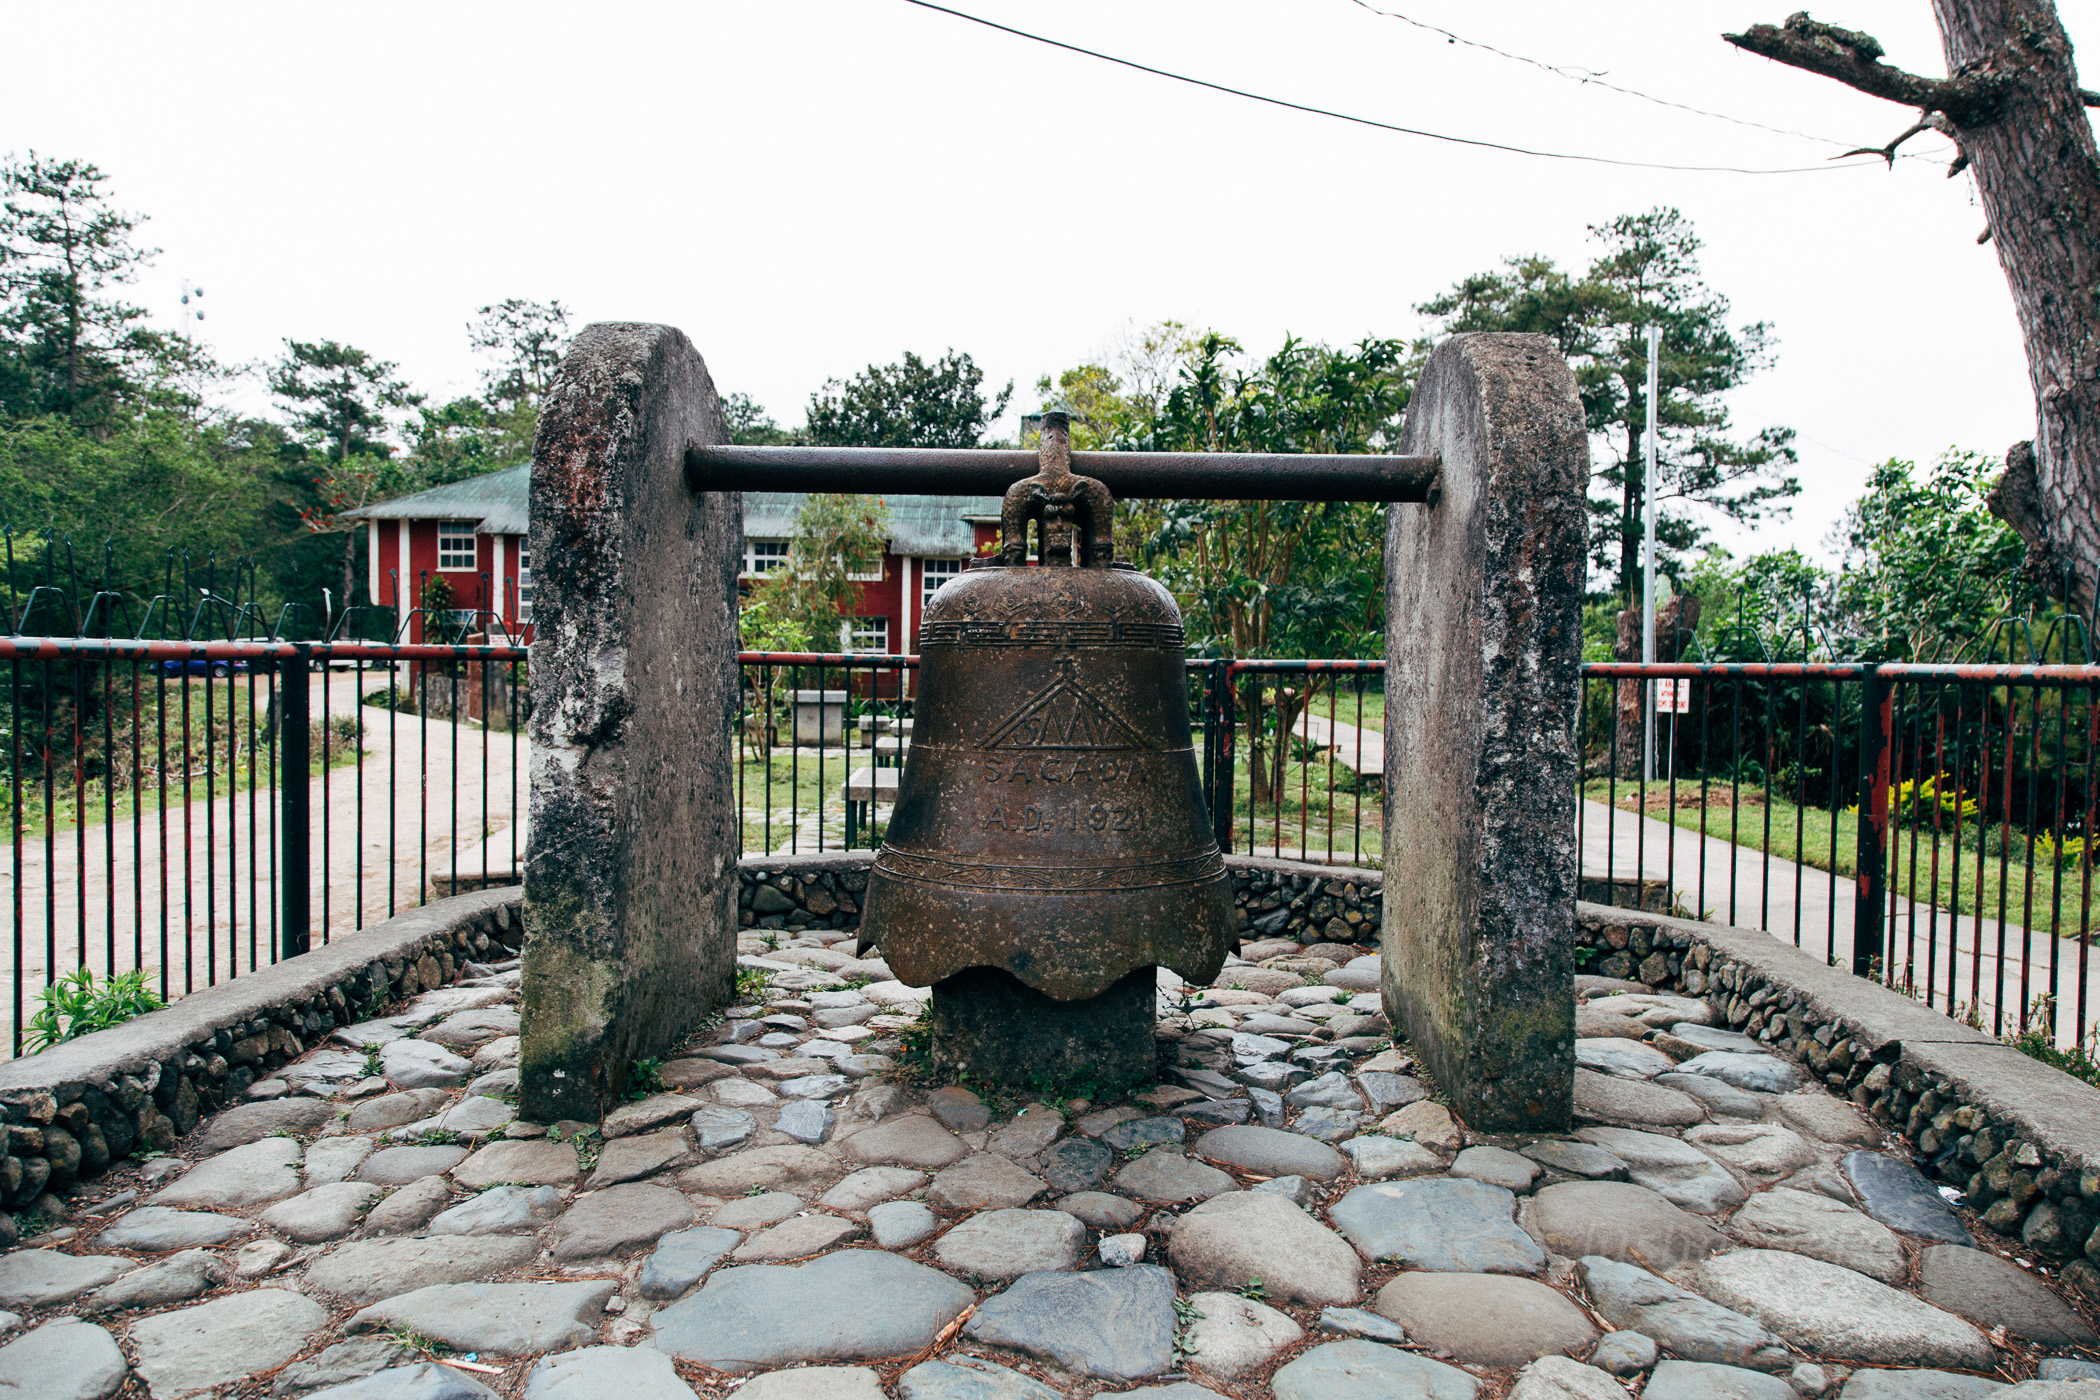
1673, 697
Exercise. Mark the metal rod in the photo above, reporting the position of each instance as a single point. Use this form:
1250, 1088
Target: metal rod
1237, 476
1648, 562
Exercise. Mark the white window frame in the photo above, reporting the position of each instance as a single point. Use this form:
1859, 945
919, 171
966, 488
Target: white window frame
881, 572
472, 552
524, 608
774, 554
874, 629
934, 573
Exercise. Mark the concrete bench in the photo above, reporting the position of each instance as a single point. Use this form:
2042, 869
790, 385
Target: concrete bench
865, 789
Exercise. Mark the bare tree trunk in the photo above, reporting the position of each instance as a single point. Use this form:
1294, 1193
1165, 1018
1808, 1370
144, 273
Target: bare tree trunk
349, 568
1675, 622
2012, 105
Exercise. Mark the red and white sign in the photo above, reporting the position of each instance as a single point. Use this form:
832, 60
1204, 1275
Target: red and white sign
1673, 697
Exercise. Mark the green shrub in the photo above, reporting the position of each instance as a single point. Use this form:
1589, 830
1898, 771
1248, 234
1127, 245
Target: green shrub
76, 1004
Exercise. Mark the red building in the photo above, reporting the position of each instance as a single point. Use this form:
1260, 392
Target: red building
472, 535
931, 539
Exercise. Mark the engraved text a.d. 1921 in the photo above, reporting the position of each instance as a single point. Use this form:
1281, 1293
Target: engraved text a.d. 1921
1066, 816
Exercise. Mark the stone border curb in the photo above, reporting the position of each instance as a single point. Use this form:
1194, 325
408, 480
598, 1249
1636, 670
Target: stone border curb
82, 1104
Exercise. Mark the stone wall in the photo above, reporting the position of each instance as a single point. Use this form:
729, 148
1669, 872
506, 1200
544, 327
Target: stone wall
71, 1111
2019, 1139
1273, 898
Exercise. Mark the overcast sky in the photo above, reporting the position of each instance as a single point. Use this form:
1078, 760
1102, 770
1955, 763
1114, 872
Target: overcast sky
805, 186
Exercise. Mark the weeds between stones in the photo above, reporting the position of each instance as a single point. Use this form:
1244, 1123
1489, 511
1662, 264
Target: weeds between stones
1186, 1316
588, 1146
645, 1077
374, 1066
409, 1337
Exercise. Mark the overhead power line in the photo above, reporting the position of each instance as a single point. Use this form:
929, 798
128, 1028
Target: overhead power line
1590, 77
1374, 124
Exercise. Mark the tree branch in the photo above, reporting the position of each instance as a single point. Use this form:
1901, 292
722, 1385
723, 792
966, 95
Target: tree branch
1854, 59
1931, 121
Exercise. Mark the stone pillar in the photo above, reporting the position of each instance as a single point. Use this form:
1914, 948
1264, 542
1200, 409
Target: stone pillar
630, 868
1483, 649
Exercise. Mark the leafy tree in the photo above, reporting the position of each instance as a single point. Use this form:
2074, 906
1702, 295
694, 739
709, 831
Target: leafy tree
150, 482
907, 404
836, 537
1928, 567
763, 622
1117, 400
527, 340
68, 345
1647, 273
751, 426
456, 440
339, 397
1278, 578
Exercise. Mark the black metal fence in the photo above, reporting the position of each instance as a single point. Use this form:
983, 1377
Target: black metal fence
198, 785
1925, 825
194, 807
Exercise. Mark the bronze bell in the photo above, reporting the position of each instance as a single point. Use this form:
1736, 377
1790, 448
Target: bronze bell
1050, 845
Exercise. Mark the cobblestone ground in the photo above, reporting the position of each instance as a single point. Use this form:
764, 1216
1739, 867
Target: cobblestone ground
1290, 1214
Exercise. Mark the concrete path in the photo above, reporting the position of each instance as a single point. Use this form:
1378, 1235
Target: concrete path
1360, 750
422, 792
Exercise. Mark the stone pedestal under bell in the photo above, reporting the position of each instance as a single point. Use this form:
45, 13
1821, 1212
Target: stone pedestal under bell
988, 1024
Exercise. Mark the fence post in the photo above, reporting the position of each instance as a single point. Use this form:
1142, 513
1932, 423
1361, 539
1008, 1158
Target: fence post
1219, 711
1877, 720
294, 747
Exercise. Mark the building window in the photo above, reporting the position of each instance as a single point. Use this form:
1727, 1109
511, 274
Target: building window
874, 576
762, 557
869, 634
456, 546
938, 572
524, 580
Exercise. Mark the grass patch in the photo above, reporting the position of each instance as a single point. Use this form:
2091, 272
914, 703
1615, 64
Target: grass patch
2037, 1044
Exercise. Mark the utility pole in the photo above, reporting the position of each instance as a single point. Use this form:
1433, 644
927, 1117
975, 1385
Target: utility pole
1648, 562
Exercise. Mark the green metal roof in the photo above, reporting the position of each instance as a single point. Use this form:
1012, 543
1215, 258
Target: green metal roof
496, 500
919, 525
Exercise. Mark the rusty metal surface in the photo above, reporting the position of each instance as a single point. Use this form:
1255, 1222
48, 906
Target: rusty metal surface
1243, 476
1050, 819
